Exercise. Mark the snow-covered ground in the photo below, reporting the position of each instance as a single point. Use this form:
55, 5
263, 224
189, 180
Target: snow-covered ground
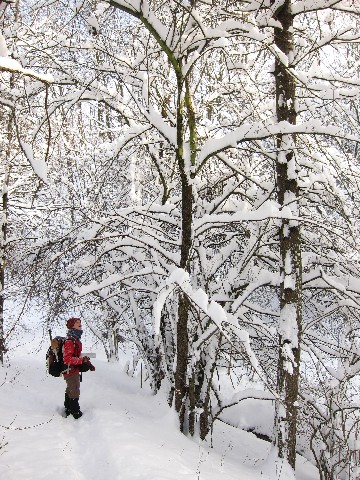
125, 433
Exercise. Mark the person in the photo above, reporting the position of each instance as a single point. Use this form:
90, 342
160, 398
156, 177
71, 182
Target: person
75, 364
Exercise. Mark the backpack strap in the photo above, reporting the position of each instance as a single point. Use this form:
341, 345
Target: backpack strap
74, 342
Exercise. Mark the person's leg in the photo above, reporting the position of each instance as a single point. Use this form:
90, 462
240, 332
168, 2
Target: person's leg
75, 408
67, 404
67, 398
73, 392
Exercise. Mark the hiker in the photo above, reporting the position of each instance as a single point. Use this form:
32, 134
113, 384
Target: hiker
75, 364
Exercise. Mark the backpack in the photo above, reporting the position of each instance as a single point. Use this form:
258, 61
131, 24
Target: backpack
54, 357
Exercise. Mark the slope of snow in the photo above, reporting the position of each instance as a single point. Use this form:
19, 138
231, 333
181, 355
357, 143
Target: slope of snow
125, 433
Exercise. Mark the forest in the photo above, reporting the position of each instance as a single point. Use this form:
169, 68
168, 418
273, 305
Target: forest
184, 175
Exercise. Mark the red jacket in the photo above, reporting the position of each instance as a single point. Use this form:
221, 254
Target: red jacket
71, 356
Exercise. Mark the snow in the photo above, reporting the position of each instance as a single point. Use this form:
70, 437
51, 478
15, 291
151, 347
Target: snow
258, 131
101, 7
157, 308
4, 52
288, 324
39, 166
11, 65
156, 120
125, 433
311, 5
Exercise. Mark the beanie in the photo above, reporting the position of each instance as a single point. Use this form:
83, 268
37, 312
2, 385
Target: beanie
70, 323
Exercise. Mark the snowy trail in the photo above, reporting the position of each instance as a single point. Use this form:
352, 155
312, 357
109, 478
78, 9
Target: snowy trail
124, 434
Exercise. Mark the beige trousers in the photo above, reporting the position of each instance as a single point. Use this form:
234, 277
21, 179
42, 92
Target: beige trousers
73, 385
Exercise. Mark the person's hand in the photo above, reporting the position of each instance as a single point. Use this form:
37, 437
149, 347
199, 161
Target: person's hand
86, 360
92, 368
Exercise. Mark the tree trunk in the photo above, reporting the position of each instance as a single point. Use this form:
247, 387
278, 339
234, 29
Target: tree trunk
2, 265
181, 387
3, 221
290, 248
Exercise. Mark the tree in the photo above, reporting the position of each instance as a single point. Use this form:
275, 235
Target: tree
291, 301
14, 95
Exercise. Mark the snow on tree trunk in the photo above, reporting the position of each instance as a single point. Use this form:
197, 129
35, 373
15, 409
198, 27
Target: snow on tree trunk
113, 343
290, 247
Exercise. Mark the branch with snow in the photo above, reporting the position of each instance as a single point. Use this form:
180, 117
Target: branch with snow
8, 64
39, 166
180, 279
258, 131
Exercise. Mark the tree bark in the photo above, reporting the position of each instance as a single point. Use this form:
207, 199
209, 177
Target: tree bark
3, 239
182, 347
290, 247
2, 269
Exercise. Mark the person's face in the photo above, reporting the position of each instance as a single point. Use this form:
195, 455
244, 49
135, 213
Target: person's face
77, 325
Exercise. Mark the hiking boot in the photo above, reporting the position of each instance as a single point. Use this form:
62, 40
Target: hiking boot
75, 408
67, 405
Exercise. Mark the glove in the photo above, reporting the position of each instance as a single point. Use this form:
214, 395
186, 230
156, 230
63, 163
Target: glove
92, 368
86, 360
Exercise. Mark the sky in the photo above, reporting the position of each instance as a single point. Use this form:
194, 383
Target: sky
125, 432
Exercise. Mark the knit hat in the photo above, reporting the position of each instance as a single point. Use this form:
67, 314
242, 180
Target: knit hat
71, 322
